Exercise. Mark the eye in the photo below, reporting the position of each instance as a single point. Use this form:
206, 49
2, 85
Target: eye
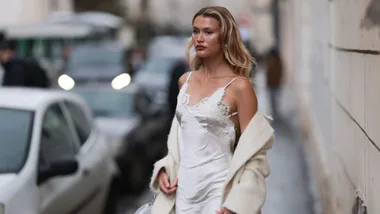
208, 32
195, 31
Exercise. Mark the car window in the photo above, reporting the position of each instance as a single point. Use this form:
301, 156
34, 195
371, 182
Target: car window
15, 132
159, 65
108, 103
57, 140
98, 57
81, 123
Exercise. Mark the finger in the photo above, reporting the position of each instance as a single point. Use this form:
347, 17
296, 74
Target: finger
227, 211
172, 190
174, 184
163, 187
165, 180
223, 211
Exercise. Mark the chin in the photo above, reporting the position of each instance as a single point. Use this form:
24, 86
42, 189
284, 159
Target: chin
202, 55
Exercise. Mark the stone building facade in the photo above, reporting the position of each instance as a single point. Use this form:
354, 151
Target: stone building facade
331, 52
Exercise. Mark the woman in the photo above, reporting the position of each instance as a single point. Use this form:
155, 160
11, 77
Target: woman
207, 170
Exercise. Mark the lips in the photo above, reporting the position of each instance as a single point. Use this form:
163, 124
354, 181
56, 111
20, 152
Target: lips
200, 47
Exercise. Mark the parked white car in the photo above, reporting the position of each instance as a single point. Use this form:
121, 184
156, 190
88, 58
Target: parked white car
52, 158
113, 111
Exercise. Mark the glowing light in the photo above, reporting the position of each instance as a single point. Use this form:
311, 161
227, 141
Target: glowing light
66, 82
121, 81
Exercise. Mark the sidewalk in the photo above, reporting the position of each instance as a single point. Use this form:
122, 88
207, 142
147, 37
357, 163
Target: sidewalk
288, 188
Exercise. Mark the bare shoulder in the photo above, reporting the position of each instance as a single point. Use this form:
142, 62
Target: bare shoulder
244, 93
242, 85
183, 79
245, 100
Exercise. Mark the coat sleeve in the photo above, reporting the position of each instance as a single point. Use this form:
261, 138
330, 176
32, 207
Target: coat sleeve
168, 161
248, 195
163, 163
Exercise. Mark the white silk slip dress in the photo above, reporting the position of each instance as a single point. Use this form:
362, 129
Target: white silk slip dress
206, 141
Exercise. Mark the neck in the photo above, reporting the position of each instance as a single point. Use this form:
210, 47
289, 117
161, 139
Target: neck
214, 66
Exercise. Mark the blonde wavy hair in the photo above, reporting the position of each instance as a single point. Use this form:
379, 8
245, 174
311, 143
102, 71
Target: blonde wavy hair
233, 47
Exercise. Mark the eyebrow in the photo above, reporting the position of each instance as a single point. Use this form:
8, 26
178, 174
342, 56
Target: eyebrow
206, 28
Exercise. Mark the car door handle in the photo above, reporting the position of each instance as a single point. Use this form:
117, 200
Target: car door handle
86, 172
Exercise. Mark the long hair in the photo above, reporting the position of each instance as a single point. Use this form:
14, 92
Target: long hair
233, 47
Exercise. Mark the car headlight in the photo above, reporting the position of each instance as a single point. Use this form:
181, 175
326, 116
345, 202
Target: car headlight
121, 81
2, 208
65, 82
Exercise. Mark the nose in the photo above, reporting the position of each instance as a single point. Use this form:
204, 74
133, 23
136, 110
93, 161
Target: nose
200, 37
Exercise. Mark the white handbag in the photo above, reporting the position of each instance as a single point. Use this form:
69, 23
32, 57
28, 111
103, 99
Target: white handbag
146, 208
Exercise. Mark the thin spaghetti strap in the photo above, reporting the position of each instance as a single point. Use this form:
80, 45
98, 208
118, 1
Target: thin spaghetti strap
188, 76
229, 83
233, 114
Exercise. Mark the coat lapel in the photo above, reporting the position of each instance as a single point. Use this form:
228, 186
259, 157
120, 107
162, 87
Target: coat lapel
254, 138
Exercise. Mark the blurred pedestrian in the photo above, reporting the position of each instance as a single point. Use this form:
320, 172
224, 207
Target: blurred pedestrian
14, 70
274, 70
134, 60
19, 71
36, 75
217, 136
65, 59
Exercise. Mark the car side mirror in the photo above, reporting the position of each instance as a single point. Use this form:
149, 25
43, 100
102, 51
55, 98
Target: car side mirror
57, 168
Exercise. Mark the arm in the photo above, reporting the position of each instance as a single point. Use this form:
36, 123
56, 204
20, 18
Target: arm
246, 102
167, 163
158, 166
248, 196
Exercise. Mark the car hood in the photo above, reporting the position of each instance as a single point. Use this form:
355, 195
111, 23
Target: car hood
116, 127
90, 73
6, 180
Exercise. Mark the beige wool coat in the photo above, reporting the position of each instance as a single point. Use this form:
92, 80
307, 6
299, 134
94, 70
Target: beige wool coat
245, 188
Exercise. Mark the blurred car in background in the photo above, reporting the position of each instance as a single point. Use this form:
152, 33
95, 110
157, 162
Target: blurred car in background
114, 112
116, 115
164, 53
153, 80
103, 62
52, 159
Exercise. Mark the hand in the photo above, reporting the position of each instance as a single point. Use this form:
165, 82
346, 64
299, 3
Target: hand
164, 183
224, 211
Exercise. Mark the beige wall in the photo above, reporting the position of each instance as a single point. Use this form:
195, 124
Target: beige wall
10, 11
326, 54
23, 11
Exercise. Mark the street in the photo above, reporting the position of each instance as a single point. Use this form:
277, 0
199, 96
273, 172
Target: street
88, 90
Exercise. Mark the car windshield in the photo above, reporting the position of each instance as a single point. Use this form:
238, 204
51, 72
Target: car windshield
15, 132
159, 65
95, 57
109, 103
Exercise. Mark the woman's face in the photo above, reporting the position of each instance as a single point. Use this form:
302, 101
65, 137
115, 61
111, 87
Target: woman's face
206, 37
